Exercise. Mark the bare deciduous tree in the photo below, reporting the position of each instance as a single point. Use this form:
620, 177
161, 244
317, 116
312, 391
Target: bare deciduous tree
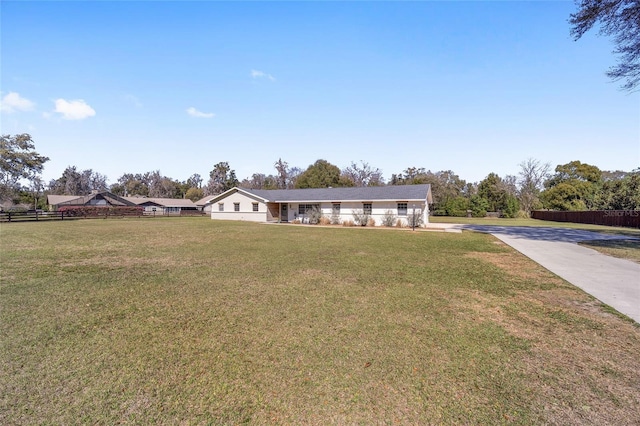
531, 180
221, 178
363, 174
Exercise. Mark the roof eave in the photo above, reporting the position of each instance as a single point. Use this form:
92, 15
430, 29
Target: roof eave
362, 200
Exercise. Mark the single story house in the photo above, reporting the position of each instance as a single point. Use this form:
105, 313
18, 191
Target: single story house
287, 205
96, 198
164, 206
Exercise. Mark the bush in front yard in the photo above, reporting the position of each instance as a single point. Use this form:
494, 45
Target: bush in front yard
324, 221
360, 217
389, 219
415, 219
314, 215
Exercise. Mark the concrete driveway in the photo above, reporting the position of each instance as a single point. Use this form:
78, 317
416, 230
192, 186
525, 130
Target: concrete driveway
613, 281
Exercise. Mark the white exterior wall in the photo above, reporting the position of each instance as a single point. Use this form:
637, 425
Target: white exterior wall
246, 209
378, 210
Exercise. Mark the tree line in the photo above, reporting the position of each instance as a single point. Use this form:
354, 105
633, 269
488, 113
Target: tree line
571, 186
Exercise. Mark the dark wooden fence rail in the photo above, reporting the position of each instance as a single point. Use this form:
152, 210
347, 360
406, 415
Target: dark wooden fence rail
43, 216
30, 216
624, 218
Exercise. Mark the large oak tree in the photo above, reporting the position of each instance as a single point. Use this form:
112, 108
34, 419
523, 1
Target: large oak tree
18, 160
322, 174
619, 19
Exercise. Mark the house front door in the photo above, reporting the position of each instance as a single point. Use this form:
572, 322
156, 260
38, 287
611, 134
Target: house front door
284, 213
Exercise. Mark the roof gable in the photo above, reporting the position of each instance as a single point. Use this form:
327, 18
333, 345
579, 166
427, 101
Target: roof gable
81, 200
246, 192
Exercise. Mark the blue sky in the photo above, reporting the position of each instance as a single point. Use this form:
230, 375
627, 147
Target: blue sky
473, 87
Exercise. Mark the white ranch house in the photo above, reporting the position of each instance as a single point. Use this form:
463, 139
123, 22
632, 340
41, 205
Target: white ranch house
287, 205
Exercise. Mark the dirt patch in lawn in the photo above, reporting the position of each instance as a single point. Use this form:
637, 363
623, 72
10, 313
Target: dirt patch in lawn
569, 331
515, 266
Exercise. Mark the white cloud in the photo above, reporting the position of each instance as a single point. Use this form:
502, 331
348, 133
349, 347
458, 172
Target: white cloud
260, 74
195, 113
74, 110
13, 102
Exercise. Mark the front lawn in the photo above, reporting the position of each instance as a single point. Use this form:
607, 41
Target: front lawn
193, 321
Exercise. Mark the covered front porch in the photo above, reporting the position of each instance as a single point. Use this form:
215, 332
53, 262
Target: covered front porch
278, 212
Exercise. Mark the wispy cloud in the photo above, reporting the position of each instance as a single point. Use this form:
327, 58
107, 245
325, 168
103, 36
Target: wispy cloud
195, 113
133, 100
255, 74
76, 109
13, 102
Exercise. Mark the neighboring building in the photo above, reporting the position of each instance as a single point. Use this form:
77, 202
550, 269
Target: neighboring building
7, 205
164, 206
97, 199
159, 206
203, 203
287, 205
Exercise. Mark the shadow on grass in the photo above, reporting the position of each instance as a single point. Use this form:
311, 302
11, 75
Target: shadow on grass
535, 223
549, 234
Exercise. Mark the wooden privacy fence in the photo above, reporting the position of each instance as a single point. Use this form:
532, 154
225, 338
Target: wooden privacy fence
624, 218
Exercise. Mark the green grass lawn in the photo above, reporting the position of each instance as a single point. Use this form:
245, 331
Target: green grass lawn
193, 321
625, 249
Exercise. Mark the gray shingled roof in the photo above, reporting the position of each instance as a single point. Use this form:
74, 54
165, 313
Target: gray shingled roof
81, 200
58, 199
367, 193
203, 201
164, 202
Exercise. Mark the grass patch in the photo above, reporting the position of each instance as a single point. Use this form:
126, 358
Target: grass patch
195, 321
624, 249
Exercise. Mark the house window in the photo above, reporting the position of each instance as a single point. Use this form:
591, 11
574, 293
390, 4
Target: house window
402, 209
220, 207
367, 208
304, 208
255, 207
236, 207
335, 209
